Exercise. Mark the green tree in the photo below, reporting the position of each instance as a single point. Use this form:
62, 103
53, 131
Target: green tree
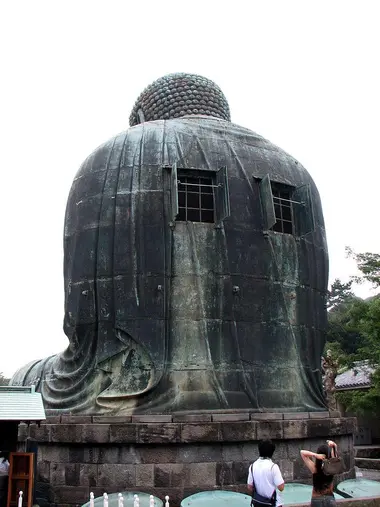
353, 333
366, 317
339, 293
368, 264
341, 330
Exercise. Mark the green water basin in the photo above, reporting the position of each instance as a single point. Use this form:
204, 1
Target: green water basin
357, 488
217, 498
293, 493
299, 493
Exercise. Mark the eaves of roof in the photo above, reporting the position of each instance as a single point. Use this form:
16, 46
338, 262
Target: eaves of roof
19, 403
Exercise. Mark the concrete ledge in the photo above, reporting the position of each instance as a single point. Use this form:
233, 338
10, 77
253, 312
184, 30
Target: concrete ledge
319, 415
76, 419
266, 416
152, 418
160, 429
106, 419
192, 418
53, 417
367, 451
371, 463
230, 417
296, 415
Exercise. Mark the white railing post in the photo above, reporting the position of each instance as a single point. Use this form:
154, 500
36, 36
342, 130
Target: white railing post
91, 499
120, 500
151, 501
20, 499
167, 501
105, 500
135, 501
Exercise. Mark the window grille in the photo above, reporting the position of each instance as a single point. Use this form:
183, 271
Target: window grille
199, 196
286, 209
282, 209
196, 202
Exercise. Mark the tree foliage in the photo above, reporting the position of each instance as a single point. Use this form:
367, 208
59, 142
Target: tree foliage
354, 332
339, 293
366, 317
341, 329
3, 380
368, 264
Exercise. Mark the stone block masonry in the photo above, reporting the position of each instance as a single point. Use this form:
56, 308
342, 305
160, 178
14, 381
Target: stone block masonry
173, 455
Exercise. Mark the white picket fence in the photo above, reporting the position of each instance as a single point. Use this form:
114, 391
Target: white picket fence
136, 501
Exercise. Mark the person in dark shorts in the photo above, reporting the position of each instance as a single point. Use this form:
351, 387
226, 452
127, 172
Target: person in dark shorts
322, 494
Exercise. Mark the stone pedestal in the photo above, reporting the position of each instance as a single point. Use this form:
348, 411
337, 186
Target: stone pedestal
175, 455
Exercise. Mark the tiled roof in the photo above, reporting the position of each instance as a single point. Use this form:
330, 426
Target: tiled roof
358, 376
20, 404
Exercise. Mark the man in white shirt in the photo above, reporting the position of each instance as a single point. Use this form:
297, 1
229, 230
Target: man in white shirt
264, 476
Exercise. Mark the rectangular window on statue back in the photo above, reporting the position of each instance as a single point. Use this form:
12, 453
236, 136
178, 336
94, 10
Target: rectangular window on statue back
282, 208
195, 198
286, 209
199, 196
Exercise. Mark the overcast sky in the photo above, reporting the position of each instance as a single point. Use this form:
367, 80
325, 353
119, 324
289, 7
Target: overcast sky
302, 74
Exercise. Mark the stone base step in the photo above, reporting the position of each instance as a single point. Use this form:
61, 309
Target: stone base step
368, 463
367, 451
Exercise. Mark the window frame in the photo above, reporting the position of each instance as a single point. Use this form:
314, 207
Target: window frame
184, 181
279, 203
302, 212
221, 201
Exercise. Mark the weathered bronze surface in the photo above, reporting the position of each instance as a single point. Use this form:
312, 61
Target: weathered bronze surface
165, 316
177, 95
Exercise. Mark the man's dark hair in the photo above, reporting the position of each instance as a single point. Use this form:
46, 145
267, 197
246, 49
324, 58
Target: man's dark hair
266, 448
